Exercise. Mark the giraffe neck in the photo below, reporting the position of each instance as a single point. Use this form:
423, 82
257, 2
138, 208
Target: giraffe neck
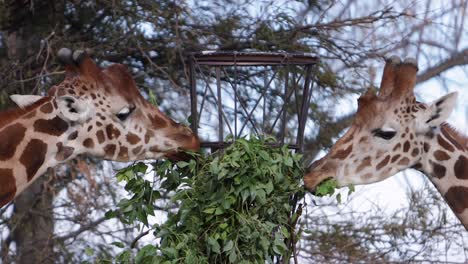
35, 139
446, 164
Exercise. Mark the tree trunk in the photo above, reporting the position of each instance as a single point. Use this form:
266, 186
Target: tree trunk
24, 25
34, 224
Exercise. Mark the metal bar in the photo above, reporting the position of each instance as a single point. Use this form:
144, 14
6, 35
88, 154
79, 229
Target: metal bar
285, 105
222, 144
261, 96
200, 113
244, 107
253, 58
265, 80
279, 114
296, 85
212, 93
220, 109
193, 96
304, 109
235, 95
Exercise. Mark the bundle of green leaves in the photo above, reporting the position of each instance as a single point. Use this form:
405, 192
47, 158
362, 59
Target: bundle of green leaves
235, 206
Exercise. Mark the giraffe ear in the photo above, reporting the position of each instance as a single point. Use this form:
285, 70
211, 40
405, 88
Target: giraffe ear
24, 101
440, 109
74, 110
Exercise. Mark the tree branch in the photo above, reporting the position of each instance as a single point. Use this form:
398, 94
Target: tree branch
457, 59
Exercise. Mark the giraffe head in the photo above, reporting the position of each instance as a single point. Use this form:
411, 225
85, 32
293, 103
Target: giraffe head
389, 132
101, 112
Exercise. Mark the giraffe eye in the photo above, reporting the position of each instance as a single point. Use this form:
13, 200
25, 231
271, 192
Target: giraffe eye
387, 135
125, 113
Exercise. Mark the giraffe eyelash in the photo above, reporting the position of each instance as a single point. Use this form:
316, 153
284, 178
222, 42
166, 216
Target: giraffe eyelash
124, 113
387, 135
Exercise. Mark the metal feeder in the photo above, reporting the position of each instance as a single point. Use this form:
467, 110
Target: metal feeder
250, 93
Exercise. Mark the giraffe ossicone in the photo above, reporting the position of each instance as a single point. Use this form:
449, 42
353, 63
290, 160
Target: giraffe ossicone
392, 132
93, 111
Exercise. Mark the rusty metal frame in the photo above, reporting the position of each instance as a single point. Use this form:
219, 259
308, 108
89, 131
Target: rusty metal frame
207, 68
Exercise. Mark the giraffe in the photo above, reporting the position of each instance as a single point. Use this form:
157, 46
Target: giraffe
94, 111
392, 132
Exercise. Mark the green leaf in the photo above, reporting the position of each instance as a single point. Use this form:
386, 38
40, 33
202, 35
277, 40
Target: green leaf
338, 198
209, 210
228, 246
118, 244
351, 189
152, 98
214, 245
182, 164
232, 256
279, 247
110, 214
146, 253
326, 187
170, 252
89, 251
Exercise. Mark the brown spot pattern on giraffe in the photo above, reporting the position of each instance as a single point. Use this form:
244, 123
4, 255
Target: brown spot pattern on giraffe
157, 121
33, 157
55, 126
441, 155
406, 146
123, 153
112, 132
10, 137
438, 170
417, 166
110, 150
443, 143
415, 152
47, 108
342, 153
383, 162
100, 136
155, 149
366, 162
456, 198
451, 139
63, 152
132, 138
137, 150
149, 134
397, 147
426, 147
404, 161
7, 186
73, 135
395, 158
461, 168
89, 143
